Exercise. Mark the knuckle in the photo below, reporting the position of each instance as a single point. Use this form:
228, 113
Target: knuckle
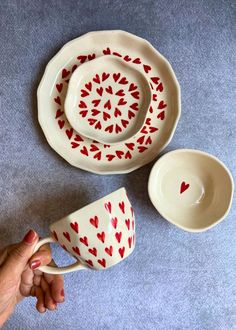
17, 253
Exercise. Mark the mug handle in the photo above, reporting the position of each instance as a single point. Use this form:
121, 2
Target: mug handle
54, 269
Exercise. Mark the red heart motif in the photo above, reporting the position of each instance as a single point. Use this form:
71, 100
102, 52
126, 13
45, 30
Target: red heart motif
122, 207
98, 155
122, 102
154, 97
141, 139
66, 235
151, 110
116, 76
59, 87
93, 251
99, 91
124, 122
151, 86
148, 121
135, 95
108, 206
69, 133
107, 51
184, 186
84, 151
155, 80
118, 236
91, 57
105, 76
147, 68
141, 149
106, 116
117, 112
75, 226
102, 262
92, 121
134, 106
130, 114
74, 145
95, 112
55, 235
162, 105
94, 221
109, 129
143, 130
89, 86
61, 123
153, 129
128, 155
98, 125
108, 105
161, 115
122, 251
114, 222
119, 154
96, 102
159, 88
130, 241
57, 100
130, 146
64, 247
74, 67
117, 54
123, 81
101, 236
127, 222
120, 92
78, 138
65, 73
110, 157
89, 262
96, 79
109, 250
84, 93
83, 113
149, 140
84, 240
82, 58
127, 58
132, 87
59, 113
76, 250
82, 105
109, 90
137, 61
93, 148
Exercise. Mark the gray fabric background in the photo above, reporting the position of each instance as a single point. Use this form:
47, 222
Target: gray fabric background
174, 280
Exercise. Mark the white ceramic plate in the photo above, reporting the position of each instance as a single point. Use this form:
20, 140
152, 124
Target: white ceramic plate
191, 189
161, 119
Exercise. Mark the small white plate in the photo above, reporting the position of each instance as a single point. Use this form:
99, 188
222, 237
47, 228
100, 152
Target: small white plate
191, 189
107, 100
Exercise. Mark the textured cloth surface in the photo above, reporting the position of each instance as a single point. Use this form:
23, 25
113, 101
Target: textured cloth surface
174, 279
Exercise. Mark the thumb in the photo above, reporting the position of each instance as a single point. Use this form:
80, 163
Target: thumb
19, 255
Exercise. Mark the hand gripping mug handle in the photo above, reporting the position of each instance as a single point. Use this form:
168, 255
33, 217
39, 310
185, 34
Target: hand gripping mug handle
54, 269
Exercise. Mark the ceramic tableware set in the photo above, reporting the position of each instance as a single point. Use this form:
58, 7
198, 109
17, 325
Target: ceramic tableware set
109, 103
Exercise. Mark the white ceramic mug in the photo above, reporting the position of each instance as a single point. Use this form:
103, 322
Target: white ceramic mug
99, 235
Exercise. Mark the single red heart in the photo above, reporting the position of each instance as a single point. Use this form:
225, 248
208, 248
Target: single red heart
151, 109
108, 206
89, 86
109, 129
130, 114
57, 100
153, 129
89, 262
117, 54
184, 186
82, 105
108, 105
65, 73
122, 102
76, 250
149, 140
116, 76
74, 145
155, 80
159, 88
137, 61
127, 58
95, 112
124, 122
162, 105
120, 92
93, 251
92, 121
84, 93
84, 151
91, 57
75, 226
83, 113
143, 130
99, 91
102, 262
110, 157
128, 155
135, 95
78, 138
74, 67
59, 87
66, 235
118, 236
140, 140
84, 240
130, 242
107, 51
132, 87
96, 79
93, 148
141, 149
101, 236
96, 102
69, 133
123, 81
122, 251
122, 207
134, 106
59, 113
109, 250
98, 125
127, 222
117, 112
161, 115
119, 153
147, 68
94, 221
98, 155
61, 123
106, 116
114, 222
109, 90
148, 121
130, 146
154, 97
82, 58
55, 235
105, 76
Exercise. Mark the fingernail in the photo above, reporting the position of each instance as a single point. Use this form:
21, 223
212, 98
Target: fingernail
30, 237
35, 264
62, 293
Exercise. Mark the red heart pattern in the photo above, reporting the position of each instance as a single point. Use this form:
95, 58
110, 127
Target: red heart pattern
184, 186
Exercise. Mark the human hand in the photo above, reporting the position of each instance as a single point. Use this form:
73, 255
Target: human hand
19, 277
